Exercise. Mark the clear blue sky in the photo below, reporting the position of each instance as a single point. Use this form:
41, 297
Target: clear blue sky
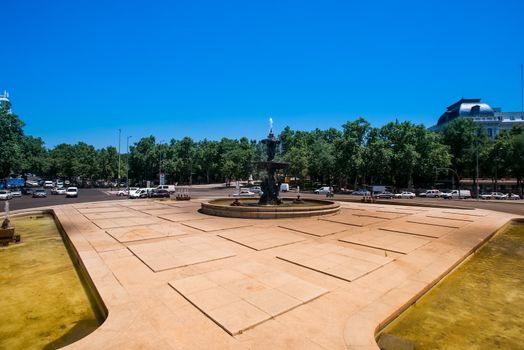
80, 70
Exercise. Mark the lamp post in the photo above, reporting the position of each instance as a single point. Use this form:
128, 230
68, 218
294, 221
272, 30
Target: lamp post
127, 176
160, 182
119, 141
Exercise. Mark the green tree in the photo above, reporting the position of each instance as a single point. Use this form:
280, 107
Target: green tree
10, 141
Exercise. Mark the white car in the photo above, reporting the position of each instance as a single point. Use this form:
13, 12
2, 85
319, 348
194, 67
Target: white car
16, 193
255, 189
244, 193
71, 192
5, 195
323, 190
48, 184
405, 194
492, 195
140, 193
125, 192
511, 196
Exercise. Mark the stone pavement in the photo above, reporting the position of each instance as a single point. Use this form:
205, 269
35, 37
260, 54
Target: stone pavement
172, 278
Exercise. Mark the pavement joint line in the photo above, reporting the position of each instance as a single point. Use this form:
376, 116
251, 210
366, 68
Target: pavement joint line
446, 218
331, 274
430, 224
180, 266
308, 233
454, 212
375, 247
407, 233
344, 223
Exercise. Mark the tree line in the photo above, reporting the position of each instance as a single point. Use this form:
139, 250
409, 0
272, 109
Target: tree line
400, 154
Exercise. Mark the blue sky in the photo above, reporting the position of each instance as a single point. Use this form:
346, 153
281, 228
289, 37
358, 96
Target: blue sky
80, 70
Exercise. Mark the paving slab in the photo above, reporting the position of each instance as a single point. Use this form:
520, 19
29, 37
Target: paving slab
89, 210
319, 228
237, 301
165, 211
380, 214
125, 222
417, 229
179, 252
449, 216
217, 224
138, 233
185, 216
352, 220
124, 213
390, 241
261, 238
466, 213
341, 262
438, 222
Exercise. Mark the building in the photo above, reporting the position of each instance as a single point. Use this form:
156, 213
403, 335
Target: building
4, 100
493, 120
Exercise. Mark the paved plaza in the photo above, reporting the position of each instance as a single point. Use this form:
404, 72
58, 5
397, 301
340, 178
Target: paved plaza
173, 278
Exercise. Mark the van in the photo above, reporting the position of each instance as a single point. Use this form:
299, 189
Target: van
284, 187
465, 194
169, 188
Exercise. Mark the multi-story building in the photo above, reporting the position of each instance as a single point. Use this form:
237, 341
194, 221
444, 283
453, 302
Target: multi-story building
493, 120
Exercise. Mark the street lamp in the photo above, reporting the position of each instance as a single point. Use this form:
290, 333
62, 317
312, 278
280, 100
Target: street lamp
119, 139
160, 163
127, 177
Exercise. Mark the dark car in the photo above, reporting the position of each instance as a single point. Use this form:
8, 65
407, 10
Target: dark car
159, 194
39, 193
385, 195
27, 191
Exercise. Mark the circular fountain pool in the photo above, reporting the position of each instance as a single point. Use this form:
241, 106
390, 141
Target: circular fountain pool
249, 208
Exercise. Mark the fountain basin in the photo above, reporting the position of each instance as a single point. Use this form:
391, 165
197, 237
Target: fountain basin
249, 208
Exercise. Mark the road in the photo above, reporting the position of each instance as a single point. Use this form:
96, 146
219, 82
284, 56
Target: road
95, 195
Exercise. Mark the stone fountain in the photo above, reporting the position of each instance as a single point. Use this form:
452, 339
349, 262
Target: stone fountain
270, 184
270, 205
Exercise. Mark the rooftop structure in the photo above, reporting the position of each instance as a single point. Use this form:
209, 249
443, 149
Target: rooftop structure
4, 100
493, 120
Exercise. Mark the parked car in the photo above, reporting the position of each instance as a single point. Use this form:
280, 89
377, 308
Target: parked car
58, 190
71, 192
160, 194
284, 187
385, 195
431, 194
32, 183
169, 188
464, 194
492, 195
255, 189
323, 190
27, 191
510, 196
16, 193
5, 195
361, 193
39, 193
405, 195
48, 184
244, 193
140, 193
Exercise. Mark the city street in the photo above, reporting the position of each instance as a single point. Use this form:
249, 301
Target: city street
96, 195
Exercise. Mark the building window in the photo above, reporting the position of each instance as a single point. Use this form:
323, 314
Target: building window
490, 132
522, 117
512, 117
